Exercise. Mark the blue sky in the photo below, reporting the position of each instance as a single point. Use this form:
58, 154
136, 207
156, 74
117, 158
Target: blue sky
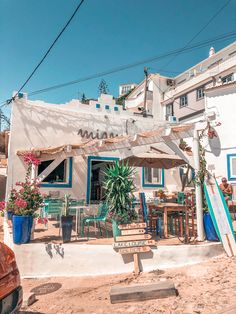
103, 35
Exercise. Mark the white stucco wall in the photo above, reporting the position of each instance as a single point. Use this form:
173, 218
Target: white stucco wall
222, 100
35, 124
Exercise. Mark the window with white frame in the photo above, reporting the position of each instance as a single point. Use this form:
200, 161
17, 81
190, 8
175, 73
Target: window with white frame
231, 161
59, 175
183, 101
227, 78
152, 176
200, 93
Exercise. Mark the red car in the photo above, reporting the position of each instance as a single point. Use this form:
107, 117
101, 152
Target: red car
11, 294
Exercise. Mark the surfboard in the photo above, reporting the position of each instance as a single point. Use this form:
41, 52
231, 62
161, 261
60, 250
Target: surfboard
220, 215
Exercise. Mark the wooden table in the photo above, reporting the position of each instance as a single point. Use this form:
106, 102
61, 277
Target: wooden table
166, 208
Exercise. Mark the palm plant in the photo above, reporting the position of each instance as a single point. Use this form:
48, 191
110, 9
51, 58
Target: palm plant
119, 186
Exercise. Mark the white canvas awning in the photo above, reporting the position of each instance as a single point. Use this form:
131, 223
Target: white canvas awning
141, 141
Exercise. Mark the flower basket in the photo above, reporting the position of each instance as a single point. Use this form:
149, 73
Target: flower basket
24, 201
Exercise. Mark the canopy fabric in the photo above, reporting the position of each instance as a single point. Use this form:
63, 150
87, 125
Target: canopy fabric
154, 160
94, 145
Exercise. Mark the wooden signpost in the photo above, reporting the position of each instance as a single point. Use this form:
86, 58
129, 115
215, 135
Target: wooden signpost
133, 240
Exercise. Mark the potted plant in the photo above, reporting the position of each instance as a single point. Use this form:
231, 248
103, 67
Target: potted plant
24, 202
66, 221
161, 194
119, 188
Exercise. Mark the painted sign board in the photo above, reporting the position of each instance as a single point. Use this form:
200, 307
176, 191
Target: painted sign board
141, 249
220, 215
133, 240
133, 226
134, 237
132, 231
133, 243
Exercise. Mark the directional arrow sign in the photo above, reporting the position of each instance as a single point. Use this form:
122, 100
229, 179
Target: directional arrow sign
133, 243
132, 231
134, 237
133, 226
135, 250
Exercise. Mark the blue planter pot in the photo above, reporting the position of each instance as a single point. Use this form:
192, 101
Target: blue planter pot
116, 231
210, 232
21, 226
66, 225
9, 215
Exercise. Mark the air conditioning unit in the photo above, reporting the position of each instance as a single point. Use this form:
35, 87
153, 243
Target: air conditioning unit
170, 82
173, 119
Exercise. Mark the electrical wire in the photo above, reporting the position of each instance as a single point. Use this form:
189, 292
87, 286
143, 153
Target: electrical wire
199, 32
128, 66
52, 45
198, 45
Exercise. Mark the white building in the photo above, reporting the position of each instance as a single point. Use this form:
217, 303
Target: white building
183, 96
52, 131
125, 88
221, 148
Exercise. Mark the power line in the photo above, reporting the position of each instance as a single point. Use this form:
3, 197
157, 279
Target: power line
50, 48
141, 62
199, 32
124, 67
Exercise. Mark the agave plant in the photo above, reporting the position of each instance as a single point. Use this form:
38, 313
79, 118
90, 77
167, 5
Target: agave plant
119, 186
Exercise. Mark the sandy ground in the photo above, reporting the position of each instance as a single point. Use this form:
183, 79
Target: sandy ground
209, 287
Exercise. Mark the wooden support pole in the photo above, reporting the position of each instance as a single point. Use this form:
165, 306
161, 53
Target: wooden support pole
136, 264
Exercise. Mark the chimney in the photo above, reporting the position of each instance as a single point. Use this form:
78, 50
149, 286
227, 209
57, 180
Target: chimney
211, 51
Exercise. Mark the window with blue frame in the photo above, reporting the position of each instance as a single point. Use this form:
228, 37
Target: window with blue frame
153, 177
61, 176
231, 165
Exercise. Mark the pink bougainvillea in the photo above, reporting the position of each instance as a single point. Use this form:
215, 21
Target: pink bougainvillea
31, 159
21, 203
2, 206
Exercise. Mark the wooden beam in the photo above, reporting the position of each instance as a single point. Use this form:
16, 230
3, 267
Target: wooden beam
133, 293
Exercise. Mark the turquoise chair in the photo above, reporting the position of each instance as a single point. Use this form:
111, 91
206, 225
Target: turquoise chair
52, 207
101, 217
180, 198
55, 208
73, 204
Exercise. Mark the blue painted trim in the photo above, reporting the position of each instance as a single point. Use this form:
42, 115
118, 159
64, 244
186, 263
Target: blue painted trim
98, 106
94, 158
62, 185
116, 109
150, 185
229, 156
107, 107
